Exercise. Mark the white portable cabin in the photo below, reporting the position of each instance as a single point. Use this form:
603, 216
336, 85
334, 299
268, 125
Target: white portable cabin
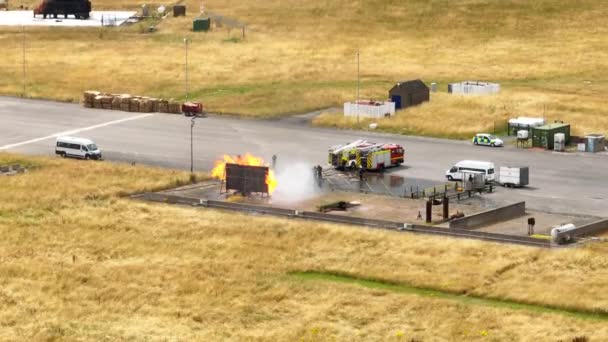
524, 123
369, 109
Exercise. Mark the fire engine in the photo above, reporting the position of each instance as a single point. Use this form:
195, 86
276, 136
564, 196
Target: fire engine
365, 154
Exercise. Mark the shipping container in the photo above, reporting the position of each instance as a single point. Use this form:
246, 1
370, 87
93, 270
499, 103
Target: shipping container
201, 24
543, 136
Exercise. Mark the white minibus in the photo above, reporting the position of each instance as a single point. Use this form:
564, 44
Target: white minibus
455, 173
77, 147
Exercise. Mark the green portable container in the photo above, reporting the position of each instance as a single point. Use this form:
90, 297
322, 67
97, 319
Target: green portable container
543, 136
201, 24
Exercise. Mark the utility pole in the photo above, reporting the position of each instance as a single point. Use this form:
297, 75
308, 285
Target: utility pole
186, 41
358, 86
192, 122
23, 57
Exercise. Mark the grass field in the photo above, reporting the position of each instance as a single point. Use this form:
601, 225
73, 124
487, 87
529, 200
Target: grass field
79, 261
298, 56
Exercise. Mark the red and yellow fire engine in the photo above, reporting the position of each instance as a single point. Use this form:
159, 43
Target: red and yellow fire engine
367, 155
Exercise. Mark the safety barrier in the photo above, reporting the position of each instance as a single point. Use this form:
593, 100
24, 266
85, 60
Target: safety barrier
361, 221
491, 216
525, 240
248, 207
586, 230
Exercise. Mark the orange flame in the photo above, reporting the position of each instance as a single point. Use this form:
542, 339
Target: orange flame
248, 159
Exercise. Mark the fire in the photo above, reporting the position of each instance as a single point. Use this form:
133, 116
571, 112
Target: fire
248, 159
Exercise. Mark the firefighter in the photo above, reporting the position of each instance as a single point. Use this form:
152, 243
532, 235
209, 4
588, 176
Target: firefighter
361, 170
319, 175
531, 223
274, 161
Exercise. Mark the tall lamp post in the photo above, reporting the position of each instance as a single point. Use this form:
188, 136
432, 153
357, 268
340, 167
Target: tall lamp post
186, 41
23, 58
192, 122
358, 81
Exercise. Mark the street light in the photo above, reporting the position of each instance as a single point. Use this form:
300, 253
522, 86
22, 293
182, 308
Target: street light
186, 41
192, 122
23, 57
358, 81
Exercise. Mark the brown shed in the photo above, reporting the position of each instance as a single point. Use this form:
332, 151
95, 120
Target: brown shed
409, 93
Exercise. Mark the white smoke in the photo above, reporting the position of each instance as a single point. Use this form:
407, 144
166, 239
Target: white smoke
296, 182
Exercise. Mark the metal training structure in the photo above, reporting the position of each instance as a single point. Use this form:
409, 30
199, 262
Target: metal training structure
245, 179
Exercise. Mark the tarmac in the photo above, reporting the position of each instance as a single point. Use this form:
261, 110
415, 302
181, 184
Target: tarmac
566, 184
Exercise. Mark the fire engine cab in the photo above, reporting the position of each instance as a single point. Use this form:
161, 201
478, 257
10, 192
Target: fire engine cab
365, 154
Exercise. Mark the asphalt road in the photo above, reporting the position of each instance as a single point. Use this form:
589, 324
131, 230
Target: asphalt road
566, 183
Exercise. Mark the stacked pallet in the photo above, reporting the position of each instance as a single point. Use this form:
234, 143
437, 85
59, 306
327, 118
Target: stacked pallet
134, 104
89, 97
163, 106
146, 105
130, 103
155, 102
116, 102
174, 107
106, 101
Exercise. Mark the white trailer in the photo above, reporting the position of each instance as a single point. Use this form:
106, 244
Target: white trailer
513, 176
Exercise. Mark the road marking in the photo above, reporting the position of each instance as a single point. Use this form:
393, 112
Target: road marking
74, 131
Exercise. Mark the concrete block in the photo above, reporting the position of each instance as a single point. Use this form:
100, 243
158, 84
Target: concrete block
489, 217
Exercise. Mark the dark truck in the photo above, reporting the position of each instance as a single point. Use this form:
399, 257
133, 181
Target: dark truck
80, 9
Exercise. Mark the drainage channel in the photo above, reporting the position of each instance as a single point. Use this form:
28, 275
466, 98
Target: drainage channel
442, 294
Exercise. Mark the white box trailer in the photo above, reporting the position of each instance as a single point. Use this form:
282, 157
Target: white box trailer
513, 176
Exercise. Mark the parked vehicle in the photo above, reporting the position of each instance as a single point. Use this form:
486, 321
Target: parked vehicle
512, 177
81, 9
192, 109
365, 154
455, 173
487, 140
77, 147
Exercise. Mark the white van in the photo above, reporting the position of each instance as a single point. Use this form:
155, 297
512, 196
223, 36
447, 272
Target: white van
77, 147
455, 173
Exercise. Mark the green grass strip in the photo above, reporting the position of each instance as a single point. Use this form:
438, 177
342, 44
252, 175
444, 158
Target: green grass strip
468, 299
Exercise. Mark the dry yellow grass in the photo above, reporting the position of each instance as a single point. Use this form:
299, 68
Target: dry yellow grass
299, 56
80, 262
461, 117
